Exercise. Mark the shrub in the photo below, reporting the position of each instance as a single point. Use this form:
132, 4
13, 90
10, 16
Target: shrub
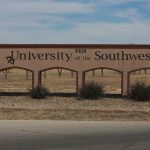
39, 92
140, 91
92, 90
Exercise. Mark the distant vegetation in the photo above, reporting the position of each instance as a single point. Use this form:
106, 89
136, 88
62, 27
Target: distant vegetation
39, 92
92, 90
140, 91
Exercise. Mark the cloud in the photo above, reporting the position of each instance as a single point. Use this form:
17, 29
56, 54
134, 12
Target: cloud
57, 21
36, 13
134, 32
43, 6
129, 14
86, 33
123, 1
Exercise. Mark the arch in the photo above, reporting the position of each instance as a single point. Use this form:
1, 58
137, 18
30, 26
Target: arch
129, 74
143, 68
103, 68
64, 68
21, 68
50, 68
17, 67
107, 68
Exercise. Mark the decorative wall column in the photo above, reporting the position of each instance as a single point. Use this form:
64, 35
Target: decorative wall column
37, 79
125, 83
80, 80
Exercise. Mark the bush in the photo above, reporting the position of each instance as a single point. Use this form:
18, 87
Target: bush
39, 92
140, 91
92, 90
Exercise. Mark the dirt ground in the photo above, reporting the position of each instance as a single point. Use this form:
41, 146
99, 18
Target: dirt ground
70, 108
73, 108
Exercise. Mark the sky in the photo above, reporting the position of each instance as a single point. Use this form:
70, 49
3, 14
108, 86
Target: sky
74, 21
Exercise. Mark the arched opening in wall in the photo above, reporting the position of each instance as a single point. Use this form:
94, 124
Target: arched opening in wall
111, 79
59, 80
15, 80
141, 75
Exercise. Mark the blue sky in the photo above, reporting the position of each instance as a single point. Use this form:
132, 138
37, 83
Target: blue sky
75, 21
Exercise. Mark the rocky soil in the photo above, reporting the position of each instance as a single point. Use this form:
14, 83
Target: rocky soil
72, 108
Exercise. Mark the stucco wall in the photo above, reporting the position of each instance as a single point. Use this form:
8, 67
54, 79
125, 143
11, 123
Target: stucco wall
79, 58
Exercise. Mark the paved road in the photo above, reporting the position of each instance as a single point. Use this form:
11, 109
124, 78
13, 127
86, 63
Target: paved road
74, 135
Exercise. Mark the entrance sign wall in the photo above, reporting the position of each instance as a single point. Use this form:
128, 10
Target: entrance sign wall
76, 57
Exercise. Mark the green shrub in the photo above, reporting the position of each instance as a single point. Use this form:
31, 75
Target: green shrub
92, 90
140, 91
39, 92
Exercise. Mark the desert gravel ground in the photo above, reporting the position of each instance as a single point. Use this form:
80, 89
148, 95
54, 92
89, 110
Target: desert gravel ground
72, 103
73, 108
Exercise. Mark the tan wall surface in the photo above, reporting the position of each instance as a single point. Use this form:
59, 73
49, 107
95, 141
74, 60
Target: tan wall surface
73, 57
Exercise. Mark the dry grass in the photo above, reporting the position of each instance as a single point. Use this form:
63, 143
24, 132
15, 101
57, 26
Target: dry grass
16, 80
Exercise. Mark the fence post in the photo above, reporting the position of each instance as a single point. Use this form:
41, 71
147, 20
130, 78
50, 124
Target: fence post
6, 74
125, 83
102, 73
44, 74
27, 74
93, 73
59, 72
36, 79
72, 74
80, 80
